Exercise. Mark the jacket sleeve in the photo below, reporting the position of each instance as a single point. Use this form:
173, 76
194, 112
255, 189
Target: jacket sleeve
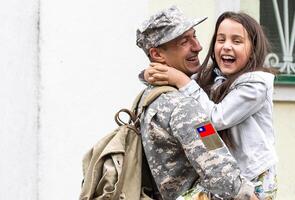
244, 99
217, 169
141, 78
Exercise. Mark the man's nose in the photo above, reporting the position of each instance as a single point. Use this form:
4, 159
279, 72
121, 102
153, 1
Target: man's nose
196, 46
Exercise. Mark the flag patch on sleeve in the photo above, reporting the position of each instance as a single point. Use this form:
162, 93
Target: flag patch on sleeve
209, 136
206, 130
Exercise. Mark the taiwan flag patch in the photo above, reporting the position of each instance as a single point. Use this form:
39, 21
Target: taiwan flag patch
206, 130
209, 136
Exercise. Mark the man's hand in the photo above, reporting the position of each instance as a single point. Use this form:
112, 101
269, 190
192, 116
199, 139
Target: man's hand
160, 74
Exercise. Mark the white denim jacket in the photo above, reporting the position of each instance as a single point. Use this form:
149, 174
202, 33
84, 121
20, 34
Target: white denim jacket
247, 112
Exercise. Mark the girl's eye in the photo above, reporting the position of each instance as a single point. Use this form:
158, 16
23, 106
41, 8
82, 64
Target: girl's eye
220, 40
237, 41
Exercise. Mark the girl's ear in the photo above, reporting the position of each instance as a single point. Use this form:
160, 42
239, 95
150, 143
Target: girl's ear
157, 55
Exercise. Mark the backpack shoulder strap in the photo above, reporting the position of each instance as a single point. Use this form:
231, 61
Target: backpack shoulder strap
149, 98
152, 95
155, 93
139, 106
136, 101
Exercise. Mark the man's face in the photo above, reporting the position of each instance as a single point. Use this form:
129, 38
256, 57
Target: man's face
182, 53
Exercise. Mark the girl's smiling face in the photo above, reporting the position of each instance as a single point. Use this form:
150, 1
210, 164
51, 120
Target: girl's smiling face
232, 47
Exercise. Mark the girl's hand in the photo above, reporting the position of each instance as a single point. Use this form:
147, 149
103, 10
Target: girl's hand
160, 74
155, 74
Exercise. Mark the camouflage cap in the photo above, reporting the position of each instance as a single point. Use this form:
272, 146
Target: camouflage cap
163, 27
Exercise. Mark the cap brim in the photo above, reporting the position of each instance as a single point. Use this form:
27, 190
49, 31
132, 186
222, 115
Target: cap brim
199, 20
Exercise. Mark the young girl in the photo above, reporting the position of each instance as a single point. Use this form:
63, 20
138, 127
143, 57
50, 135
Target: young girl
236, 90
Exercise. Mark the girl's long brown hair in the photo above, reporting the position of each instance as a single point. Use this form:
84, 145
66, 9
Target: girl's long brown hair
259, 49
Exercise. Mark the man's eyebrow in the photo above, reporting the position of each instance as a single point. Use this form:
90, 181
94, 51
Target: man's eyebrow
187, 34
181, 37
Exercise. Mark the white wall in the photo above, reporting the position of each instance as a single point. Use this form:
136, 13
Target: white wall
89, 65
18, 99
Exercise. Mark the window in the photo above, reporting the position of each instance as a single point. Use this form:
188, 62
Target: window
278, 19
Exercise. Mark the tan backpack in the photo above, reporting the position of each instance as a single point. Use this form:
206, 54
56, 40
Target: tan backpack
115, 168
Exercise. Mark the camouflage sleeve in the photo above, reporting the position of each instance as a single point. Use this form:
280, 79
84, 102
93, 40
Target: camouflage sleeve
217, 169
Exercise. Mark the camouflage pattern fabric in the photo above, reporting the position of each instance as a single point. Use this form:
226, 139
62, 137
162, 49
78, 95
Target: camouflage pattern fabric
163, 27
197, 193
177, 155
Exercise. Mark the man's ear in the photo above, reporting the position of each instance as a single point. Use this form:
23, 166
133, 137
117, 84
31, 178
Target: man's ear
157, 55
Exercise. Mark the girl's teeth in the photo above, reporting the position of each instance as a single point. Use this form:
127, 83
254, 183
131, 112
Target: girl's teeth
227, 57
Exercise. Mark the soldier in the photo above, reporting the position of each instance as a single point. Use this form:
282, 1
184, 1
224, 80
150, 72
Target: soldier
182, 147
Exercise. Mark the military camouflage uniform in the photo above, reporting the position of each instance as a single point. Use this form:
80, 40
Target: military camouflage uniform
177, 156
